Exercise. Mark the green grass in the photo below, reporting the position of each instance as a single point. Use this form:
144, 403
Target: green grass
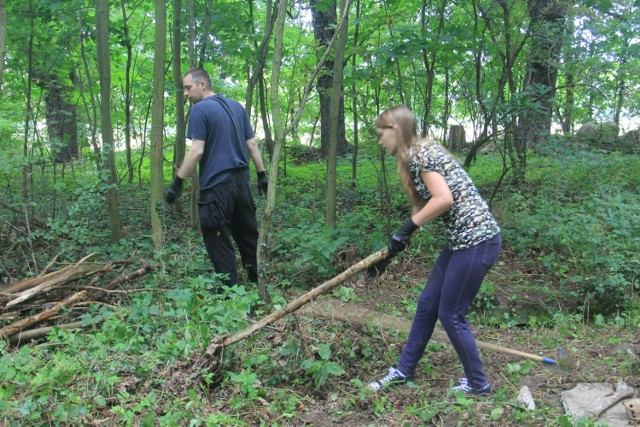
578, 216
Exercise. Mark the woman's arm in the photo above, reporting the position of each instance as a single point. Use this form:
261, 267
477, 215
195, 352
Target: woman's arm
440, 201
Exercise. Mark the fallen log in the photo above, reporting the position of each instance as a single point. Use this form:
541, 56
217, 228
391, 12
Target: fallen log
40, 317
36, 286
32, 334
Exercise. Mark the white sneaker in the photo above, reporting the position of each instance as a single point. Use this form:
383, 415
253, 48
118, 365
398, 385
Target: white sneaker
394, 377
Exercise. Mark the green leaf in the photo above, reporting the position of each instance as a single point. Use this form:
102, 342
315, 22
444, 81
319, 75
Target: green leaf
496, 414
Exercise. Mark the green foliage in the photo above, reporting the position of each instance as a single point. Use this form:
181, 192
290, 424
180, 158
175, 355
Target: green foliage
323, 367
582, 221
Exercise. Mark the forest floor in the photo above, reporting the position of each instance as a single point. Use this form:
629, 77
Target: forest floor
379, 313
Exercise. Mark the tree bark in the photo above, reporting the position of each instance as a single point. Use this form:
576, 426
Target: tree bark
157, 122
279, 135
127, 90
3, 38
456, 140
61, 123
334, 116
324, 23
104, 70
547, 35
179, 148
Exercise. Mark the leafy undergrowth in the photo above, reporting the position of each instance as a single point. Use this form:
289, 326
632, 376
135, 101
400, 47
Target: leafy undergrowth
146, 365
567, 280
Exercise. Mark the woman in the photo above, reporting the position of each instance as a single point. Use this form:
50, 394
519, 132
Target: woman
439, 187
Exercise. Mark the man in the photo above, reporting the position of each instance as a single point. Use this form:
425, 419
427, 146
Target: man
221, 137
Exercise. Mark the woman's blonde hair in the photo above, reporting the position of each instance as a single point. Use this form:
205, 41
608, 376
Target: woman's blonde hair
403, 118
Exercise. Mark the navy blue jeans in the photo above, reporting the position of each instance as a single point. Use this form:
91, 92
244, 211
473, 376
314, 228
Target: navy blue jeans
453, 284
228, 211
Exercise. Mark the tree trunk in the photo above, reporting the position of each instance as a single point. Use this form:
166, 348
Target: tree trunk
205, 34
3, 38
127, 91
193, 205
257, 76
429, 58
324, 23
179, 147
157, 121
92, 115
191, 26
61, 124
354, 98
547, 33
457, 140
334, 117
278, 130
104, 70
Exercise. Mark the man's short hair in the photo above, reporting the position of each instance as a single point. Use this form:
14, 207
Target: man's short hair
198, 75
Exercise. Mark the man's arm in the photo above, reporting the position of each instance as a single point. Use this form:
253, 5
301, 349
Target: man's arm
254, 152
191, 159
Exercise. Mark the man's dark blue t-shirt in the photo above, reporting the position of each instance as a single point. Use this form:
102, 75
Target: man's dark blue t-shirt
224, 126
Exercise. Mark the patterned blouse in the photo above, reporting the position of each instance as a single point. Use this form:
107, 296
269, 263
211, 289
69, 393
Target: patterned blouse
468, 220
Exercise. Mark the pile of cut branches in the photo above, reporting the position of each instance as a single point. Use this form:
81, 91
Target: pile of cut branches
48, 293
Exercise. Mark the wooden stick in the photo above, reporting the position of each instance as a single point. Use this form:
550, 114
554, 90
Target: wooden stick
26, 336
40, 317
300, 301
340, 311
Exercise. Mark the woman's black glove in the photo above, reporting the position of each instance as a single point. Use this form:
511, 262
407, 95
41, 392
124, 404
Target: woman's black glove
174, 191
380, 267
398, 240
263, 182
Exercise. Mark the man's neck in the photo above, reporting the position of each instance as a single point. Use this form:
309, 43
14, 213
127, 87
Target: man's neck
208, 93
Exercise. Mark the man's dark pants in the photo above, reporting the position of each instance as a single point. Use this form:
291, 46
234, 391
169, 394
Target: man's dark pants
228, 210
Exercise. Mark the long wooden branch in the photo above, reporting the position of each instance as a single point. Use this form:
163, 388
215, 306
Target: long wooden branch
53, 276
294, 305
26, 336
119, 280
42, 316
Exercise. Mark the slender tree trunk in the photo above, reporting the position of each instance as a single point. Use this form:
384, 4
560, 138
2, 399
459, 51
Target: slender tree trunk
104, 69
334, 117
26, 169
157, 121
179, 148
127, 91
429, 58
269, 142
620, 91
3, 38
324, 23
278, 129
192, 32
263, 49
354, 101
93, 115
195, 188
204, 34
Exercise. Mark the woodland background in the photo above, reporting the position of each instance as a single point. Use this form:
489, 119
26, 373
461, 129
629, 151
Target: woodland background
538, 99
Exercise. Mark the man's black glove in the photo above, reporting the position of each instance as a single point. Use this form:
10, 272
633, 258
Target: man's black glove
398, 241
174, 190
263, 182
